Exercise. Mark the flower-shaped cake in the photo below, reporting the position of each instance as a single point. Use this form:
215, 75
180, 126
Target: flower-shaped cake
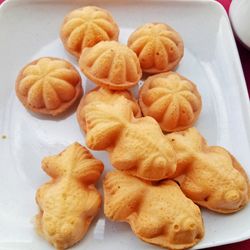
111, 65
172, 100
87, 26
158, 46
48, 86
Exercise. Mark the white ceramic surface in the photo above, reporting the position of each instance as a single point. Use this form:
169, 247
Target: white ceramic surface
239, 13
29, 29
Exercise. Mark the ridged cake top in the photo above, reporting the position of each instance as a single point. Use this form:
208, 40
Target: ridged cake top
158, 46
172, 100
111, 65
48, 85
84, 27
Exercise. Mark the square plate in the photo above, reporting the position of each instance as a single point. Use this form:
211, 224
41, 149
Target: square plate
29, 29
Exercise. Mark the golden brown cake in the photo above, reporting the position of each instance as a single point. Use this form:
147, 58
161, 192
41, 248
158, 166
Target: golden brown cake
158, 46
111, 65
69, 202
106, 96
87, 26
159, 214
209, 175
172, 100
135, 145
48, 86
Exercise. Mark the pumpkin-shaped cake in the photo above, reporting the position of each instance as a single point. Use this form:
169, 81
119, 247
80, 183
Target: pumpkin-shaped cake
48, 86
158, 46
172, 100
111, 65
84, 27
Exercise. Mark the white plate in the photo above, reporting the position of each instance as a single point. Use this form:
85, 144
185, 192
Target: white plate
29, 29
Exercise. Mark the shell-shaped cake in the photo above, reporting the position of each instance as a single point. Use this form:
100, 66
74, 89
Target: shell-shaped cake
111, 65
69, 201
48, 86
87, 26
159, 214
158, 46
136, 145
209, 175
106, 96
172, 100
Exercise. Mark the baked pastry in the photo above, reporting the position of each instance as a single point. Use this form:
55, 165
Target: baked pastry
48, 86
69, 202
159, 214
106, 96
111, 65
158, 46
172, 100
209, 175
87, 26
135, 145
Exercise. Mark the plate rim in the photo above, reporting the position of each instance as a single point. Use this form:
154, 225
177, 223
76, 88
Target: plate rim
237, 70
